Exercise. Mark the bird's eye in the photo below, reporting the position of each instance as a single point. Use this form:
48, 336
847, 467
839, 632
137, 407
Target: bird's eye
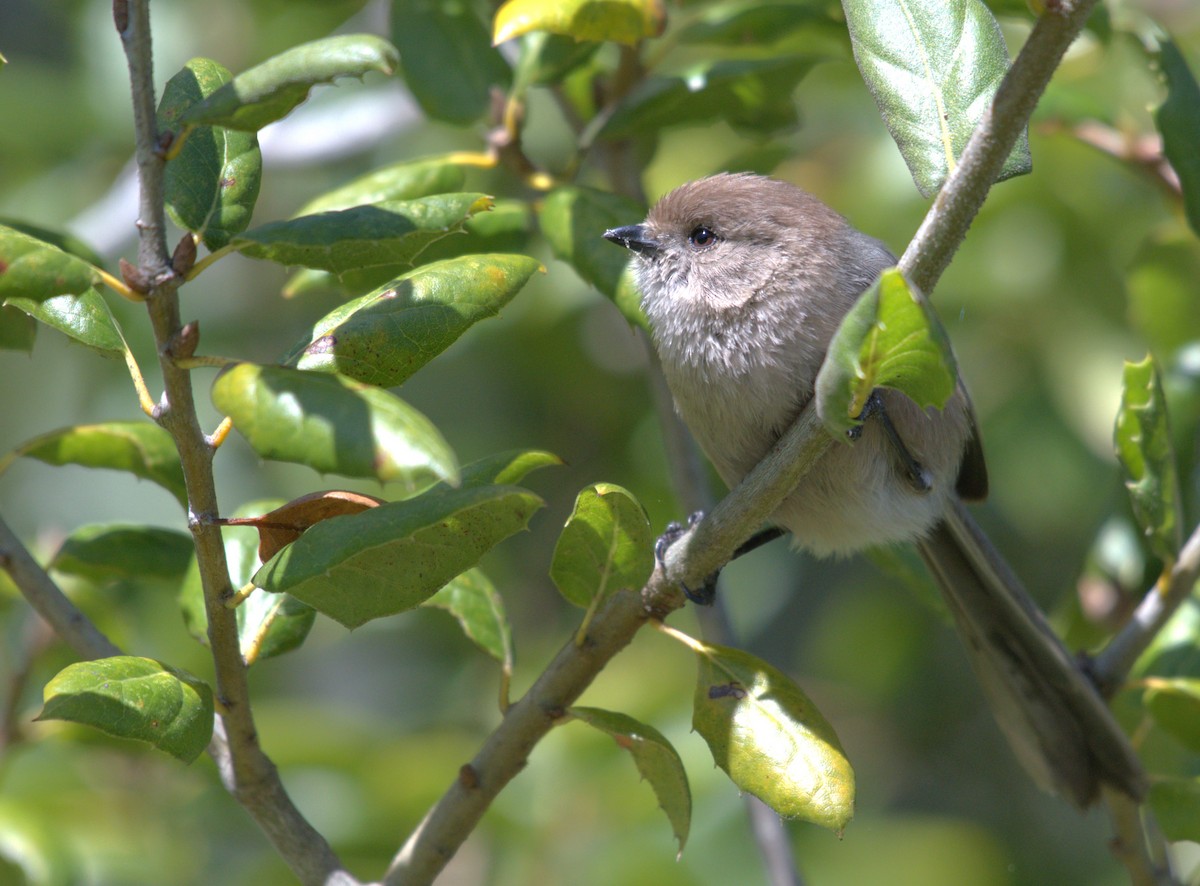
702, 237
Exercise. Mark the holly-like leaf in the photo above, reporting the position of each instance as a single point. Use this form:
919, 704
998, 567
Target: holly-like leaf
573, 220
479, 610
1178, 119
656, 759
606, 545
391, 558
437, 38
933, 67
751, 94
621, 21
1175, 707
333, 424
269, 91
112, 552
135, 698
400, 181
363, 246
385, 336
141, 448
268, 624
770, 738
212, 183
1142, 438
890, 338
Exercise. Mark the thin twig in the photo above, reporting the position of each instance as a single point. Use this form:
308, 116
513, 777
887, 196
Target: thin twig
251, 776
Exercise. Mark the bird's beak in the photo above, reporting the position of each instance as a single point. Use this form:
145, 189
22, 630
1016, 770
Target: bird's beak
634, 237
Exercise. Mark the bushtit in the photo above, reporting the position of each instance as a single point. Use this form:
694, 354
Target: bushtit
744, 280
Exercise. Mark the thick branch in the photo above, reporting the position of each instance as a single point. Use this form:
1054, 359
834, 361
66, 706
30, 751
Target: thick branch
252, 777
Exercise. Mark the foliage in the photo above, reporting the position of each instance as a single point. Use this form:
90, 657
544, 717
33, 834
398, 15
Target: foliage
417, 259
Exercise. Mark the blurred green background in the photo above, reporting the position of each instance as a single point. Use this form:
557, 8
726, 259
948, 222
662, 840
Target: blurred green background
1067, 273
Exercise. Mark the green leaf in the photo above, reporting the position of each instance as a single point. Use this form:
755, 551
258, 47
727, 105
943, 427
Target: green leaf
474, 602
753, 23
333, 424
750, 94
269, 91
1178, 119
890, 338
122, 552
933, 67
573, 220
143, 449
606, 545
17, 330
1176, 806
212, 183
136, 698
57, 288
391, 558
621, 21
63, 240
547, 58
1142, 439
385, 336
268, 624
1175, 707
400, 181
770, 738
447, 58
364, 246
656, 759
506, 468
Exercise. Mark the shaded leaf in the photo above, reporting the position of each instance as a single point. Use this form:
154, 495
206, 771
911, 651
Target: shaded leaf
447, 58
506, 468
141, 448
1175, 707
63, 240
384, 337
1176, 806
1142, 439
605, 546
135, 698
767, 735
391, 558
268, 624
479, 610
573, 220
1178, 119
400, 181
212, 183
933, 68
656, 759
17, 330
890, 338
754, 23
110, 552
269, 91
333, 424
751, 94
363, 246
621, 21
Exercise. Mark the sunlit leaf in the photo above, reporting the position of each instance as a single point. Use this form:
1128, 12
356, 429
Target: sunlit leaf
400, 181
333, 424
126, 552
269, 91
135, 698
447, 58
890, 338
606, 545
391, 558
479, 610
656, 759
506, 468
1142, 438
1178, 119
621, 21
384, 337
139, 447
1175, 707
212, 183
63, 240
933, 67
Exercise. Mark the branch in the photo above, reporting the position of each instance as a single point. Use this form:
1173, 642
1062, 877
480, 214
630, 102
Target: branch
251, 776
1112, 665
